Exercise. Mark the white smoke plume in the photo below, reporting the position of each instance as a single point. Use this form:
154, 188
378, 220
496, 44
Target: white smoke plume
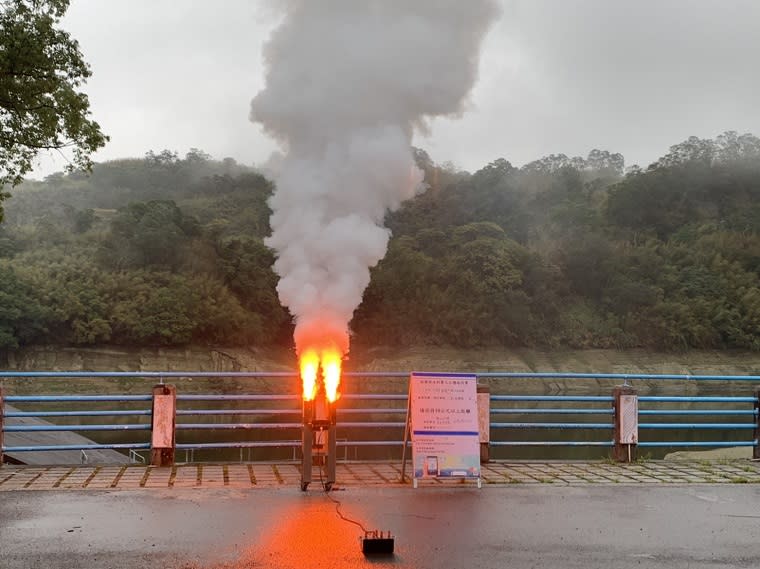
347, 82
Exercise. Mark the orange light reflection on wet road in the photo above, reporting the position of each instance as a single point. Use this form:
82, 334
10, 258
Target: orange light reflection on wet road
310, 537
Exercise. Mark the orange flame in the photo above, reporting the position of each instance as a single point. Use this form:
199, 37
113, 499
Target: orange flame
309, 369
329, 359
331, 370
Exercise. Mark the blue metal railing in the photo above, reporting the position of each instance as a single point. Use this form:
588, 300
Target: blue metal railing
643, 426
373, 374
525, 431
76, 398
80, 427
141, 412
66, 428
702, 399
700, 426
113, 446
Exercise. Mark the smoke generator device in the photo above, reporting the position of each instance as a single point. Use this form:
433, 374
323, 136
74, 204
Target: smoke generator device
318, 449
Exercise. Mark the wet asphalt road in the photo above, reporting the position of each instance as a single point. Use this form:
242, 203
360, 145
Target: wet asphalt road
537, 526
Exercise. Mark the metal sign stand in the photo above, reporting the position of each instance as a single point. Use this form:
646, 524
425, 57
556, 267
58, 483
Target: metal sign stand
407, 432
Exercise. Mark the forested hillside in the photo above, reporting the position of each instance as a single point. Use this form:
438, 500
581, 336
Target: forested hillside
560, 252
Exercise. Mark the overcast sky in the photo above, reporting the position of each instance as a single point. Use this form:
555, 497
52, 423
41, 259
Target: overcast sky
555, 76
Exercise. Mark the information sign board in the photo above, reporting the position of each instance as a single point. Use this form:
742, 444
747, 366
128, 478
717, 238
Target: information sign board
444, 415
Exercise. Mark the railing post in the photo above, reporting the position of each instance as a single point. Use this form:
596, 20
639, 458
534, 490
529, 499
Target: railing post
625, 404
2, 428
163, 424
756, 447
484, 422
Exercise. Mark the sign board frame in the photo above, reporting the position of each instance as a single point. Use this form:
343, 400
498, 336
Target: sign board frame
443, 418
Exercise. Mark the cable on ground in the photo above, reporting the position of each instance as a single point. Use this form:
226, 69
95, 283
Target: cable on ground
335, 501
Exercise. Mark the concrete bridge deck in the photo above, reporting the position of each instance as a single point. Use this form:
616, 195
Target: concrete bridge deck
542, 526
278, 475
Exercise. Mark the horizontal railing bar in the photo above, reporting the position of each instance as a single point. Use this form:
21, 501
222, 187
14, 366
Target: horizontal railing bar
536, 411
79, 398
618, 376
400, 397
140, 412
241, 397
239, 411
697, 412
696, 399
248, 444
233, 426
370, 411
378, 411
375, 396
679, 426
552, 443
697, 443
115, 446
50, 428
147, 374
384, 374
238, 444
600, 398
378, 424
371, 443
373, 374
551, 425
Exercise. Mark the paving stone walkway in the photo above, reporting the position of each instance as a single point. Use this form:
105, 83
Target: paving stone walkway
267, 475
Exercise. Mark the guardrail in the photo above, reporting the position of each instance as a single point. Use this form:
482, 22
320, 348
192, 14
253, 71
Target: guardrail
259, 424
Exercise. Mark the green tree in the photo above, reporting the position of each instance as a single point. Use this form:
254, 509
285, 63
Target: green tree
41, 106
148, 234
21, 316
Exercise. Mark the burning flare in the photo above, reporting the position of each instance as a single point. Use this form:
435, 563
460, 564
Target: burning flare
309, 370
329, 361
331, 370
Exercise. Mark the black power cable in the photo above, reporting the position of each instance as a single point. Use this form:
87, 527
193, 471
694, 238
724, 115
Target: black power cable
335, 501
374, 542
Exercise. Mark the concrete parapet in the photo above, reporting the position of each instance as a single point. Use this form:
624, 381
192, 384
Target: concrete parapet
626, 423
484, 422
163, 424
